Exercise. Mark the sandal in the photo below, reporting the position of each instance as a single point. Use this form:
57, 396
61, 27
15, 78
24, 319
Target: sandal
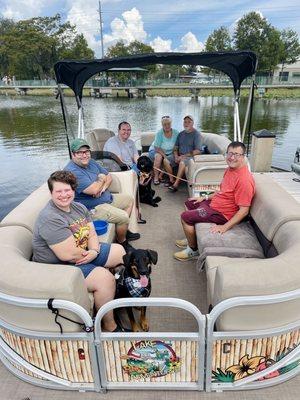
172, 189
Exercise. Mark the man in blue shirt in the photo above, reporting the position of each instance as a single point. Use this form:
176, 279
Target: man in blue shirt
187, 145
92, 191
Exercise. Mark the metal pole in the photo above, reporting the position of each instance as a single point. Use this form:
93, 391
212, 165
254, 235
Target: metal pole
250, 118
101, 31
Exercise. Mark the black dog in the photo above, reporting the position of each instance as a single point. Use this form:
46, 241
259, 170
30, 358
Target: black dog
145, 165
134, 281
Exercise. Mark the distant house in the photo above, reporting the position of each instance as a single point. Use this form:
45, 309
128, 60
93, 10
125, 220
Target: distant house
289, 72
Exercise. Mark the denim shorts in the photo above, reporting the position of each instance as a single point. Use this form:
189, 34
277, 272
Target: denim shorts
99, 261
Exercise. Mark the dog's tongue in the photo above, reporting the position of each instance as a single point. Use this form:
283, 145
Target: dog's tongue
143, 280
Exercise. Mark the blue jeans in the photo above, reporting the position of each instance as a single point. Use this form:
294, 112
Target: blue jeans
135, 168
99, 261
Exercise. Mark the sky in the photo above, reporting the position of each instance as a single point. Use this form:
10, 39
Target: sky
174, 25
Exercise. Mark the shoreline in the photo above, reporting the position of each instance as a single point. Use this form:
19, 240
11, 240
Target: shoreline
277, 93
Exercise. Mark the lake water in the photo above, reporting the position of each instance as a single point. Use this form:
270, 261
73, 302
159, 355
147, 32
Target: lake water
33, 141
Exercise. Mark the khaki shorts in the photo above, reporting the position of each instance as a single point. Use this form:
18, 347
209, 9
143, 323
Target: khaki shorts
114, 212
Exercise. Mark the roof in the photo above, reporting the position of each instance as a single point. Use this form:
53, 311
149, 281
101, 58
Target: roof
238, 65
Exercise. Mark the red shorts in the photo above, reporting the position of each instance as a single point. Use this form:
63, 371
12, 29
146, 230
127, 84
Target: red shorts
201, 212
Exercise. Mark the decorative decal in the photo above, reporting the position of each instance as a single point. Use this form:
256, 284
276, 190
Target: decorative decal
248, 366
150, 359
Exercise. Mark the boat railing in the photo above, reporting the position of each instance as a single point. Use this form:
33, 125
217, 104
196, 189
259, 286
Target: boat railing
207, 358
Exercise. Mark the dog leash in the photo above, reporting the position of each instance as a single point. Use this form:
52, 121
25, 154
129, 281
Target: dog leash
174, 176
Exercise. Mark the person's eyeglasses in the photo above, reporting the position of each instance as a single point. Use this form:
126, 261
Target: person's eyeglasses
83, 152
166, 117
235, 155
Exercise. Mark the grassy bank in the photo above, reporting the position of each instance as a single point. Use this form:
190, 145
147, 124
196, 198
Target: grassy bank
284, 93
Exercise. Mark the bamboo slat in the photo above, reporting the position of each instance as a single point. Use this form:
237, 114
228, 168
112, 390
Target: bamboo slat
177, 351
88, 361
218, 354
193, 362
50, 358
82, 362
77, 361
107, 365
117, 356
112, 361
72, 361
183, 359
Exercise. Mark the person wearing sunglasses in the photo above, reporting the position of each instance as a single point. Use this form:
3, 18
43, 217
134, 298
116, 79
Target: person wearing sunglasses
226, 208
161, 150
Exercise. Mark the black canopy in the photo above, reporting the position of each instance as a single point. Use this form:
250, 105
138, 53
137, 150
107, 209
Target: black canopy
237, 65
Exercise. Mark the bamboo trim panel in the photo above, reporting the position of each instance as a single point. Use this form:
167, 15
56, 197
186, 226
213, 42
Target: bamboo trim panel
67, 359
236, 359
151, 361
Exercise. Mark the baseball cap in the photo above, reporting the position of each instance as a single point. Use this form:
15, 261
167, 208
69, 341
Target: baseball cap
189, 117
77, 143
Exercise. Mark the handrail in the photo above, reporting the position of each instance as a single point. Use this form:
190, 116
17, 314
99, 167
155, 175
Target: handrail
41, 303
151, 302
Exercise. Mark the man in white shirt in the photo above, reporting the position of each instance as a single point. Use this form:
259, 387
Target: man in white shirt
123, 147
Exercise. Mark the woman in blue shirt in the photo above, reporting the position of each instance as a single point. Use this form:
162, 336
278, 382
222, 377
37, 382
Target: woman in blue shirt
161, 150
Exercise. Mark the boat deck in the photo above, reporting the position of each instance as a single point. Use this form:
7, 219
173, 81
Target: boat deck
169, 278
285, 180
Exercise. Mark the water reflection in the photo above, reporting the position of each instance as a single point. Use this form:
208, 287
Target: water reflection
33, 143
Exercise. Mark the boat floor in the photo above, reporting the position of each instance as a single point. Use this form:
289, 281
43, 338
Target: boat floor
170, 278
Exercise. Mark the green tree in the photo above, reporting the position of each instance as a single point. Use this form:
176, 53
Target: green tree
31, 47
120, 49
291, 47
219, 40
253, 32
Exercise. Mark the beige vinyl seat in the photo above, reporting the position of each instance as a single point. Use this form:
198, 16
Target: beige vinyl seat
98, 137
19, 276
276, 215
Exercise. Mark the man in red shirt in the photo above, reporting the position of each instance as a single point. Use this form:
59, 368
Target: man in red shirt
225, 208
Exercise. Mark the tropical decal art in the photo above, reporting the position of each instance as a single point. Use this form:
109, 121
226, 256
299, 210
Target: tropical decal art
250, 365
150, 359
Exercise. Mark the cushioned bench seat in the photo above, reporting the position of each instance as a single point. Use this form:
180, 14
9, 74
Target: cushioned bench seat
277, 216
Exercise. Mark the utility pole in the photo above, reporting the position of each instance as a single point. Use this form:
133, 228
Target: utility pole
101, 32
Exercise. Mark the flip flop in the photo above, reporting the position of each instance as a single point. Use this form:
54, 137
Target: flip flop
172, 189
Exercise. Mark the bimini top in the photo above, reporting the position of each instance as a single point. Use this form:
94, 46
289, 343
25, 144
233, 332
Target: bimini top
238, 65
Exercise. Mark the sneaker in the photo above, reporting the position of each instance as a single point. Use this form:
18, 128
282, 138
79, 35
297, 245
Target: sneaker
132, 236
181, 243
186, 254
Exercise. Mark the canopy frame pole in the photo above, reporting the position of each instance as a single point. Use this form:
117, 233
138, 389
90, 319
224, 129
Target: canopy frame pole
251, 91
65, 115
236, 118
250, 115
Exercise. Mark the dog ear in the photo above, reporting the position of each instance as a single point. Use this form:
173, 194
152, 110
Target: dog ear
153, 256
127, 258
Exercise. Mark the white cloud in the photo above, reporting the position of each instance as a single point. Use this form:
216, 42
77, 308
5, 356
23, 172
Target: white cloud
161, 45
128, 29
189, 43
86, 22
22, 9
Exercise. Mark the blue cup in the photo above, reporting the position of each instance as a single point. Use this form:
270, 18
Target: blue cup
100, 227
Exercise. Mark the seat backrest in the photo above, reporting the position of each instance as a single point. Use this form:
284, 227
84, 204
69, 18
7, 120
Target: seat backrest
216, 144
272, 206
25, 214
98, 137
23, 278
147, 139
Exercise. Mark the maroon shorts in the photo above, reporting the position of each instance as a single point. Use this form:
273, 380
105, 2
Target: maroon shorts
201, 212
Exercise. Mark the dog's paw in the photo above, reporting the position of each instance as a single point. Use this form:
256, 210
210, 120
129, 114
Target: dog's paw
144, 325
157, 199
154, 205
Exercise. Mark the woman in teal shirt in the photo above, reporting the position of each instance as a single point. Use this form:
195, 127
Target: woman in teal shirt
161, 150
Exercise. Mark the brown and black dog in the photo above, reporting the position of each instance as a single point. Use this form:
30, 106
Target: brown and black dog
135, 281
